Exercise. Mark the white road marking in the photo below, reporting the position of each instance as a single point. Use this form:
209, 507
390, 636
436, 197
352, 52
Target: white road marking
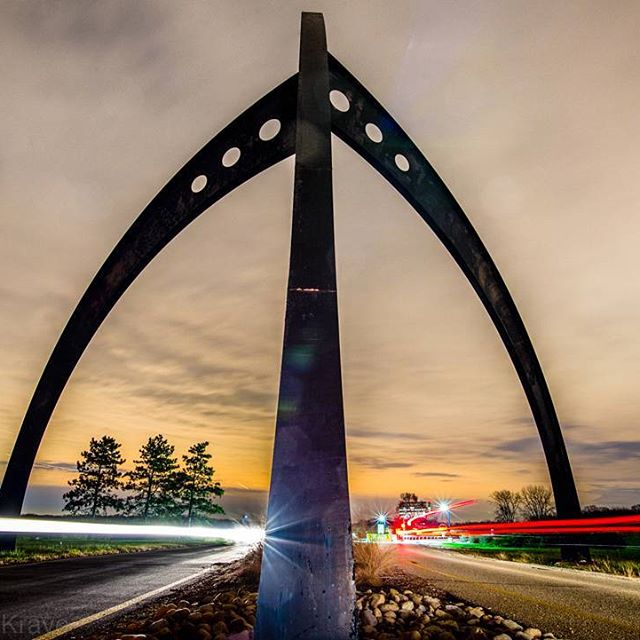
56, 633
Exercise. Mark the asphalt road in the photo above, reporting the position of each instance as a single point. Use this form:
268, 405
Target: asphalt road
39, 597
568, 602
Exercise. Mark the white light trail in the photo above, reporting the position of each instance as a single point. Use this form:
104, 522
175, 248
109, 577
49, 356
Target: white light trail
246, 535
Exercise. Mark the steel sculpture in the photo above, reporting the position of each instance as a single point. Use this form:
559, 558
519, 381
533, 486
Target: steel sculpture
306, 583
400, 161
309, 452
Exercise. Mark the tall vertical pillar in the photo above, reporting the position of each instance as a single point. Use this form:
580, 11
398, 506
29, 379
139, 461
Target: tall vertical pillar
306, 584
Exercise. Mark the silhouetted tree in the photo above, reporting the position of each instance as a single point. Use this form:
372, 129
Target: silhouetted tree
506, 504
194, 486
150, 480
99, 479
537, 502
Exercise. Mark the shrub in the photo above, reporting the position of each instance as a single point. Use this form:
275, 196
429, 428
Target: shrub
372, 562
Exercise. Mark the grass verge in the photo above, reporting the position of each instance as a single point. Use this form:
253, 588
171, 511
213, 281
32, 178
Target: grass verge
38, 549
622, 562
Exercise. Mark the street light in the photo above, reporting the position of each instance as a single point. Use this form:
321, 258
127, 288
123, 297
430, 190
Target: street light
381, 520
444, 508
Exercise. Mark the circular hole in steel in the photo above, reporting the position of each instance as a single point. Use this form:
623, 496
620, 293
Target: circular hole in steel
339, 100
401, 162
373, 132
199, 184
230, 157
269, 130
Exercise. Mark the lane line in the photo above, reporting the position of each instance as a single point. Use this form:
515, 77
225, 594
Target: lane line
56, 633
560, 608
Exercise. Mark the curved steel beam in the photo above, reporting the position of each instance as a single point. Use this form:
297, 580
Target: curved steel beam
175, 206
426, 192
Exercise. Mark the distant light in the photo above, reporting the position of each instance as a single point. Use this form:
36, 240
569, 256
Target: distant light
241, 534
443, 507
381, 518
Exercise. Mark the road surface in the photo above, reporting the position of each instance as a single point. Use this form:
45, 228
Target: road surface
39, 597
568, 602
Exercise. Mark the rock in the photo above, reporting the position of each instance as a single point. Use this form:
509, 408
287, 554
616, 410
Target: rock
163, 610
521, 635
476, 612
376, 600
368, 618
475, 633
158, 625
511, 625
408, 605
178, 614
432, 631
532, 632
219, 627
389, 606
454, 609
502, 636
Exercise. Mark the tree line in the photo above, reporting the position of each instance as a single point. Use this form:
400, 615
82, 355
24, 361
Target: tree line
533, 502
157, 487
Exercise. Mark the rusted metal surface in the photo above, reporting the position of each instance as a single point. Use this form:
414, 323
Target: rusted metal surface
161, 221
426, 192
306, 583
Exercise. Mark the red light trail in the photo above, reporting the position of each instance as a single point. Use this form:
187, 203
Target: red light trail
610, 524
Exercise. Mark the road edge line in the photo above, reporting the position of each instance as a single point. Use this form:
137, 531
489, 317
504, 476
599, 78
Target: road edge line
94, 617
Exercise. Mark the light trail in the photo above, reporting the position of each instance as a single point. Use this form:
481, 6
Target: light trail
610, 524
240, 534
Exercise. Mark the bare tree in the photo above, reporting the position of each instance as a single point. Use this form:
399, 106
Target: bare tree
506, 504
537, 502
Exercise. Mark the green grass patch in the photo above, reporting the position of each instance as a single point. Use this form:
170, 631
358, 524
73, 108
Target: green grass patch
40, 548
622, 560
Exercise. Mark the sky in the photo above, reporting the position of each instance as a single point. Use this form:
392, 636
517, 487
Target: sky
528, 111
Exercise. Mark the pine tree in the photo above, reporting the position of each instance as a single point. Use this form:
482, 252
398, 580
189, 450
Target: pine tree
99, 479
194, 483
150, 480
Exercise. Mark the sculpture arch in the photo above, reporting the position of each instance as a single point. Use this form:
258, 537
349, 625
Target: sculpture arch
370, 131
212, 173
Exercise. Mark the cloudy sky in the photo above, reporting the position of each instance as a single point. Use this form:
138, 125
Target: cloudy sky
529, 111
